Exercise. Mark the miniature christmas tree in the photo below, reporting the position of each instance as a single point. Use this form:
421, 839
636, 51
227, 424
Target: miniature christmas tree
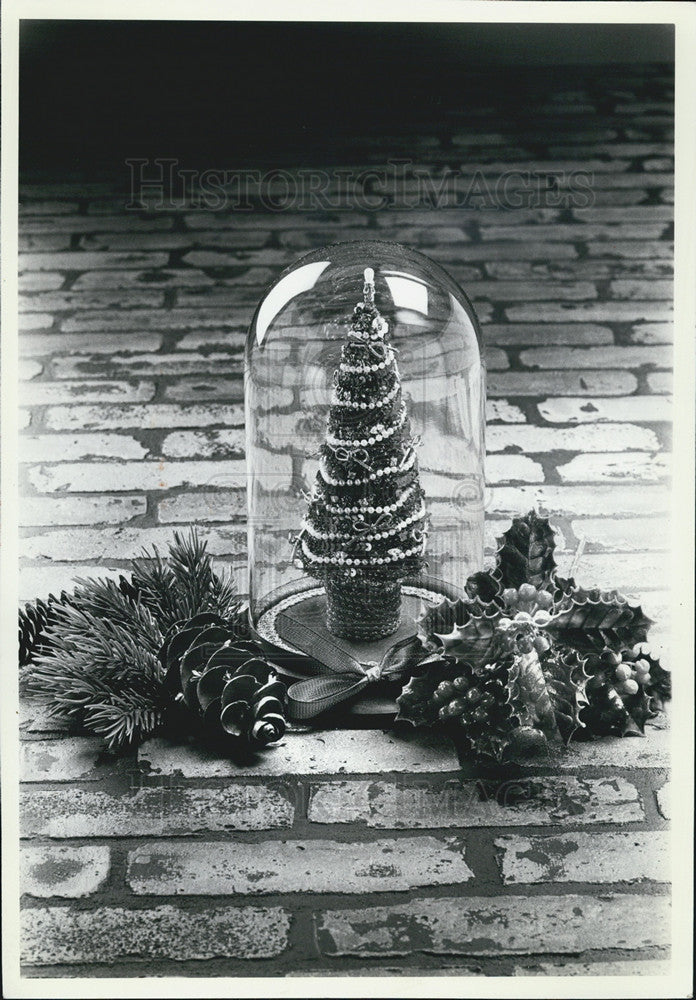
365, 527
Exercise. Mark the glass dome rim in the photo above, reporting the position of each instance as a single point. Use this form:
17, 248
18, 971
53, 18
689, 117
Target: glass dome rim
305, 258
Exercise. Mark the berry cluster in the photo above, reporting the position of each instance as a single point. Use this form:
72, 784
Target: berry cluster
477, 697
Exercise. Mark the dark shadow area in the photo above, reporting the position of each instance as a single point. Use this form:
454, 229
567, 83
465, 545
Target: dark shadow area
95, 92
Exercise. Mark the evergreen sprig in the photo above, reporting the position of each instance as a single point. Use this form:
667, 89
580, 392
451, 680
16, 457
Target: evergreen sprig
98, 665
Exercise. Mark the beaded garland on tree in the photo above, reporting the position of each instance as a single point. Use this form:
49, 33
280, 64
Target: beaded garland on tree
365, 528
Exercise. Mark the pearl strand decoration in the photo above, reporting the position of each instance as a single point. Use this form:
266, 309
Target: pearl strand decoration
374, 438
365, 509
326, 536
343, 559
391, 470
374, 405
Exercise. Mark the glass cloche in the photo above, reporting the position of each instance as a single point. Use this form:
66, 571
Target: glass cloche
365, 416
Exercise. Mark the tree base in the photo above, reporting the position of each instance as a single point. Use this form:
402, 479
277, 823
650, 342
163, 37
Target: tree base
362, 610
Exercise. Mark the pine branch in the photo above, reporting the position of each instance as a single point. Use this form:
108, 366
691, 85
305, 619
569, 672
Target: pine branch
185, 584
123, 719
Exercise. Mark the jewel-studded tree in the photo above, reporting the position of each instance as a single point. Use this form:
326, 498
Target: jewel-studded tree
365, 527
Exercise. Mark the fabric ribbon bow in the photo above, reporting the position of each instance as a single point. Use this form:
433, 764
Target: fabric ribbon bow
345, 677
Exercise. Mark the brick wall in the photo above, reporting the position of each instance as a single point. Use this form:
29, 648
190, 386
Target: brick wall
131, 333
346, 852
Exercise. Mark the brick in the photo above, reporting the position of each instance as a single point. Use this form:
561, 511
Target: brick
152, 365
216, 258
636, 534
664, 800
28, 370
156, 415
616, 753
614, 466
209, 340
166, 810
204, 506
108, 934
68, 447
585, 438
634, 213
652, 333
635, 289
202, 389
80, 477
593, 270
43, 393
241, 279
161, 277
160, 319
638, 967
640, 249
60, 190
632, 573
105, 223
46, 208
78, 544
34, 321
39, 281
583, 857
597, 357
288, 866
54, 870
81, 260
500, 409
552, 383
600, 312
70, 759
634, 409
531, 334
633, 180
173, 241
35, 717
232, 220
38, 511
616, 196
341, 751
661, 382
499, 469
530, 291
39, 581
415, 236
205, 444
41, 344
504, 251
576, 501
62, 301
576, 232
43, 241
503, 925
553, 801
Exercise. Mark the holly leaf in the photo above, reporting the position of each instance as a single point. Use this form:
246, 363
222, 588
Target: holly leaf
416, 703
474, 637
589, 620
525, 553
566, 679
483, 586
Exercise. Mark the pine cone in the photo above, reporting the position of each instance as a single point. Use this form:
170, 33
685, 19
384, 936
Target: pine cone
35, 619
226, 682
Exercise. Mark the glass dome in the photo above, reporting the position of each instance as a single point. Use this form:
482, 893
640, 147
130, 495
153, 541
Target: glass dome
347, 407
